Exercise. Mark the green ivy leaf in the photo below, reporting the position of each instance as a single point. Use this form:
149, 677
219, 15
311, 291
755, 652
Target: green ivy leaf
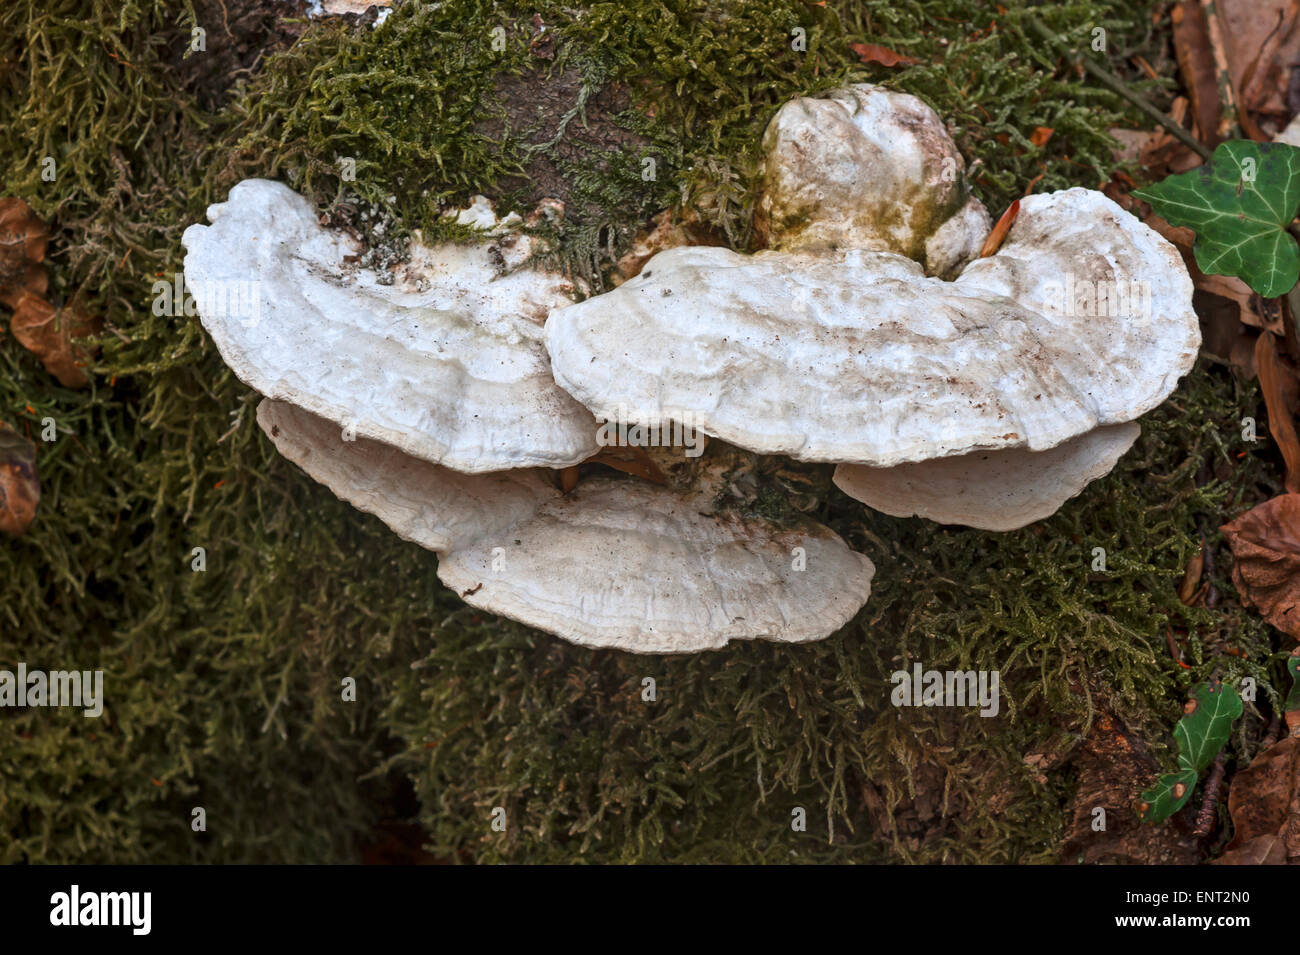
1206, 723
1239, 204
1167, 796
1200, 734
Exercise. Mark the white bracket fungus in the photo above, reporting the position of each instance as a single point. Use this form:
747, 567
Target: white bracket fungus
858, 357
866, 168
615, 563
981, 392
836, 346
991, 490
446, 362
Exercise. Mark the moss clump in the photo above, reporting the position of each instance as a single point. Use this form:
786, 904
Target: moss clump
224, 687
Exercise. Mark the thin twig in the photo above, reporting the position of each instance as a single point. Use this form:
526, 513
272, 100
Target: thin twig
1136, 99
1209, 813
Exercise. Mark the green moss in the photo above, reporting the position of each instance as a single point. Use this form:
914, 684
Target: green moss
224, 686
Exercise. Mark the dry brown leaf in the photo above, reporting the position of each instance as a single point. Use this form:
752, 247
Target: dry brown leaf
1191, 581
1262, 42
999, 233
1040, 136
1196, 63
23, 240
1250, 308
20, 487
668, 230
1265, 544
1224, 336
631, 460
1264, 802
1131, 143
871, 53
1281, 392
51, 334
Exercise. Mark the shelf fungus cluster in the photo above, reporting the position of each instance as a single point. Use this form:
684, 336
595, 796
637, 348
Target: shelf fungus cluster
455, 395
425, 397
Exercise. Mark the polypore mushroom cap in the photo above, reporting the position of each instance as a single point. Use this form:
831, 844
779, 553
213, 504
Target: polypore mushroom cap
615, 563
427, 504
868, 168
446, 363
859, 357
990, 490
645, 570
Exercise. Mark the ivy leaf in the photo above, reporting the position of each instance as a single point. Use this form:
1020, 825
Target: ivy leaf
1239, 204
1167, 796
1206, 724
1200, 734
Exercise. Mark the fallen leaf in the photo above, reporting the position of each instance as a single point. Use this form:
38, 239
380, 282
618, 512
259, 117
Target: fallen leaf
1192, 577
1262, 42
568, 479
631, 460
1264, 803
51, 335
1225, 336
871, 53
1265, 544
999, 233
23, 240
1040, 136
20, 487
1196, 62
1278, 382
1131, 143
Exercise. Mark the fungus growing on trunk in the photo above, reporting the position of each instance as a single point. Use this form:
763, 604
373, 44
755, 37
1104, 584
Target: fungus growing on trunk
835, 346
616, 563
442, 358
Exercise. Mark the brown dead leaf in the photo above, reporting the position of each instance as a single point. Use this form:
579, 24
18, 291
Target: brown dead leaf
1191, 581
1249, 307
1223, 334
1041, 135
23, 240
51, 334
668, 230
1196, 63
1264, 802
871, 53
1000, 230
1281, 389
568, 479
1265, 544
632, 460
1262, 42
20, 487
1292, 716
